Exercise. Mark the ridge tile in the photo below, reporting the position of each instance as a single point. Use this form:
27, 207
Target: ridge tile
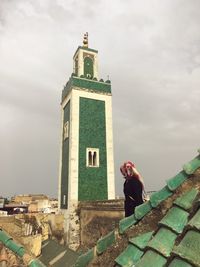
177, 180
85, 258
192, 165
157, 197
185, 201
105, 242
142, 210
126, 222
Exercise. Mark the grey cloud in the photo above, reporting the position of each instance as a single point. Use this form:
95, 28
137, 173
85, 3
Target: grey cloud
150, 50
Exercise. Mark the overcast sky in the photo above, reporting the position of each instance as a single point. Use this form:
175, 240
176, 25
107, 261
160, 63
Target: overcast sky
151, 51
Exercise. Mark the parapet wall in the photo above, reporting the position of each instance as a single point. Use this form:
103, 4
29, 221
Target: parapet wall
97, 218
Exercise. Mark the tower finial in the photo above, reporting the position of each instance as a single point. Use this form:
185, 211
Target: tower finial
85, 40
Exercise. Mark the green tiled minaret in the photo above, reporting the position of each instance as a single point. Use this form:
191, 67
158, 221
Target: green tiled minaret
86, 155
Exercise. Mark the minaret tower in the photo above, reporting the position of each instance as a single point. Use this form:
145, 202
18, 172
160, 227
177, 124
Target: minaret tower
86, 160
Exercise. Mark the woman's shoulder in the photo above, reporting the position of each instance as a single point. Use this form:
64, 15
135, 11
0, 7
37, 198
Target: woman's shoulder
135, 181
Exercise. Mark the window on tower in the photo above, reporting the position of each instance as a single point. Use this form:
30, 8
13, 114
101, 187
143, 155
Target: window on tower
92, 157
66, 130
88, 67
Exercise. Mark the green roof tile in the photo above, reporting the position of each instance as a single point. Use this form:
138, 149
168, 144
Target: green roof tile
127, 222
189, 247
185, 201
176, 219
195, 221
142, 210
51, 250
151, 259
192, 166
179, 263
84, 259
105, 242
163, 241
141, 240
177, 180
157, 197
67, 260
36, 263
11, 244
129, 257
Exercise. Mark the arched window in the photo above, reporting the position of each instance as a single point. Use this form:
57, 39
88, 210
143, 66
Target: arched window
88, 68
92, 157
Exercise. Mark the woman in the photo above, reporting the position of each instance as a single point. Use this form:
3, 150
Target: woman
133, 187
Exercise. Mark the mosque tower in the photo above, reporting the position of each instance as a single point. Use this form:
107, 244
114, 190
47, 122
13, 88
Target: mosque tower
86, 171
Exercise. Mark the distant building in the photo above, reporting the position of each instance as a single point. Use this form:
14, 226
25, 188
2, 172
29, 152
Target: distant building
34, 202
2, 201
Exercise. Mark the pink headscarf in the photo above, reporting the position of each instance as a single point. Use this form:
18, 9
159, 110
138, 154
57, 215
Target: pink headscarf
129, 170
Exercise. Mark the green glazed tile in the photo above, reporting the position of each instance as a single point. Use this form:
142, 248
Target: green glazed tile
127, 222
185, 201
179, 263
195, 221
157, 197
151, 259
36, 263
105, 242
176, 219
189, 247
129, 256
84, 259
141, 240
163, 241
177, 180
192, 166
142, 210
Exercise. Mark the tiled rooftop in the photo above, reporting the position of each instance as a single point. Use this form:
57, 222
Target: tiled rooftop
165, 231
56, 255
18, 250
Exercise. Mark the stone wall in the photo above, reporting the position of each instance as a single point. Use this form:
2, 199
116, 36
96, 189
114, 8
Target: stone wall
97, 218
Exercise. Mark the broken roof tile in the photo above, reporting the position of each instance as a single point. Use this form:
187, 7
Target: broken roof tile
185, 201
142, 210
192, 166
195, 221
151, 259
177, 180
126, 222
176, 219
163, 241
141, 240
189, 247
157, 197
129, 256
177, 262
